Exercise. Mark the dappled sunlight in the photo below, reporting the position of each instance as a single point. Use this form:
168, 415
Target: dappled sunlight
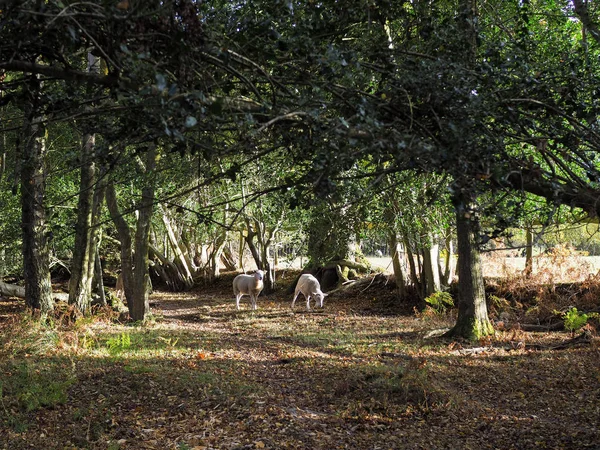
203, 373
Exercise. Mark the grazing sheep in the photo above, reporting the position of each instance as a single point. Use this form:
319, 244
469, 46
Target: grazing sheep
309, 287
248, 285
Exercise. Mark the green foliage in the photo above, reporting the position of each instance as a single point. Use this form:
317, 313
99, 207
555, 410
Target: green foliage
30, 386
440, 301
118, 344
574, 319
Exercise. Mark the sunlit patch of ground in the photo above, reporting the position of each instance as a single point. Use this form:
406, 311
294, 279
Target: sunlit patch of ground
360, 374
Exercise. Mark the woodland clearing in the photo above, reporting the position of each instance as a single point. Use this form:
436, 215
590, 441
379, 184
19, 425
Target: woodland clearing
361, 374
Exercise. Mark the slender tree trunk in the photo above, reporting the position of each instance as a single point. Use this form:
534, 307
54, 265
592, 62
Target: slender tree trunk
140, 306
80, 284
215, 256
228, 259
448, 272
36, 254
134, 255
412, 266
397, 264
124, 239
431, 268
182, 260
529, 252
99, 280
84, 251
472, 321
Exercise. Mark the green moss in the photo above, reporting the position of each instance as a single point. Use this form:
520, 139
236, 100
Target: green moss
471, 329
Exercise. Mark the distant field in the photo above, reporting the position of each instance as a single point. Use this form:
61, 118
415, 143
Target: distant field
558, 269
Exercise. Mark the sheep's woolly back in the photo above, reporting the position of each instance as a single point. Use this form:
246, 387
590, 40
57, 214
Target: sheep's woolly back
308, 284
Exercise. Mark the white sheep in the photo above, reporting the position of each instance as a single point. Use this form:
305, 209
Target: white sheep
248, 285
309, 287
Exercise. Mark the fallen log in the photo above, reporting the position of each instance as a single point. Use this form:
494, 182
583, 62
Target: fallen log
12, 290
534, 327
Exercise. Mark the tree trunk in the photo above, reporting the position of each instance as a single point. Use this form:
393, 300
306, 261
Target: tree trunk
412, 267
86, 234
134, 260
431, 268
472, 321
36, 255
529, 252
228, 259
182, 260
124, 239
168, 272
397, 264
80, 283
448, 272
99, 280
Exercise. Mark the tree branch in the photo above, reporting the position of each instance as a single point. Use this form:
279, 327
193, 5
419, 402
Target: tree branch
56, 72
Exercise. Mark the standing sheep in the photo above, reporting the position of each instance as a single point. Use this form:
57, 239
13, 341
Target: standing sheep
309, 287
248, 285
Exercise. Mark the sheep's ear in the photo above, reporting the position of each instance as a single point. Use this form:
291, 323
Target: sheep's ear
325, 295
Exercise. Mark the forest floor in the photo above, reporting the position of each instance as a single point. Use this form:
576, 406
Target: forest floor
360, 374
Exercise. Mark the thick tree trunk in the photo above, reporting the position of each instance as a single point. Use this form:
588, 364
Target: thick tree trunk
36, 255
472, 321
139, 305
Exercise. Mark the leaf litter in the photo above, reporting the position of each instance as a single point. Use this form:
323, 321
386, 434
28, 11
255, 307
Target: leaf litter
365, 373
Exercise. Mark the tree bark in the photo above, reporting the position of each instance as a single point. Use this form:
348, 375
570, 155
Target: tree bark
80, 283
431, 268
448, 272
139, 305
397, 264
472, 322
12, 290
134, 259
182, 260
86, 234
36, 255
528, 252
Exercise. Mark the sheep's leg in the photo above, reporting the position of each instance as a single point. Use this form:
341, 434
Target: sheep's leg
308, 303
253, 297
237, 301
295, 297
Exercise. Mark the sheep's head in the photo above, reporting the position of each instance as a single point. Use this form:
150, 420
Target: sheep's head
319, 297
259, 275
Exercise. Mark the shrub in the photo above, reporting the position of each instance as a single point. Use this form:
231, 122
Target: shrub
440, 301
574, 320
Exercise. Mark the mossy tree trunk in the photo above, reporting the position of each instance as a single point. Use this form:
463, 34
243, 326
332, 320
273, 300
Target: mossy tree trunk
472, 322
